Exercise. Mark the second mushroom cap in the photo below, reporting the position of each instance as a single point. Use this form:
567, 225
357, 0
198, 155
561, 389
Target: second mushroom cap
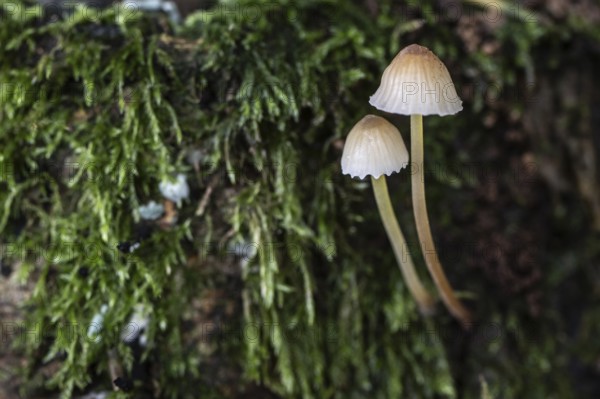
373, 147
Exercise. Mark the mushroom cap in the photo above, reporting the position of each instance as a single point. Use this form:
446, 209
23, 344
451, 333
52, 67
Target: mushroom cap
373, 147
416, 82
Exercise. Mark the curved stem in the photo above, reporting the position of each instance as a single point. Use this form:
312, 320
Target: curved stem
422, 220
388, 217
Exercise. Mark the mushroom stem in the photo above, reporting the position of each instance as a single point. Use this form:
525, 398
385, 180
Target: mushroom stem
422, 221
388, 217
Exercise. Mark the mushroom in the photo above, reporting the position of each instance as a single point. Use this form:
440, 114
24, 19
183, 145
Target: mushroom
417, 83
375, 147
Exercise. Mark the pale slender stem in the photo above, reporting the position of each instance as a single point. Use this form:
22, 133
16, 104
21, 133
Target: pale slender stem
422, 220
388, 217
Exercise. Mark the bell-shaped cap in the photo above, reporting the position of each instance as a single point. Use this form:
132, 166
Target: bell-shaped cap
416, 82
373, 147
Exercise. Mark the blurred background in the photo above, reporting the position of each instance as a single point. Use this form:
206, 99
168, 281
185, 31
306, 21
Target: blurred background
174, 222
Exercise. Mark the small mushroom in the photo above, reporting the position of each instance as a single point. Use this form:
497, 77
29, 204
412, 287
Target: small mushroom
375, 147
417, 83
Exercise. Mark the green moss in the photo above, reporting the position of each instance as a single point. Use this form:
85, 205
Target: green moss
100, 110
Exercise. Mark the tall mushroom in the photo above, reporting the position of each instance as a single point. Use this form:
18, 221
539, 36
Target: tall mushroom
417, 83
375, 147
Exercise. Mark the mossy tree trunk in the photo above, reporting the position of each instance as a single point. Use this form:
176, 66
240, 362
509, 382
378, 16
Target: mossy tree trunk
274, 277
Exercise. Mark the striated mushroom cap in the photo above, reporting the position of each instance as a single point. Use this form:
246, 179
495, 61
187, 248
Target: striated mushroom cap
416, 82
373, 147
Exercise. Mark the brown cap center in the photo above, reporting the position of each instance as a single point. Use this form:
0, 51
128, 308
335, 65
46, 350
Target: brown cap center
415, 49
